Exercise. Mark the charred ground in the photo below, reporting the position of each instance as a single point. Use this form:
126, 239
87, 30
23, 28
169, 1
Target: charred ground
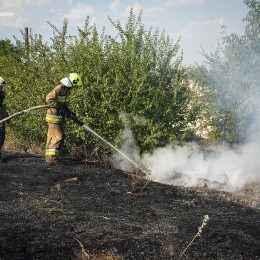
84, 211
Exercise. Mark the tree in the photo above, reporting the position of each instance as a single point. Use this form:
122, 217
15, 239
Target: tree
233, 78
139, 73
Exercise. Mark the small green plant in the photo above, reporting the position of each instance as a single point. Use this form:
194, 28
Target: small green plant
57, 192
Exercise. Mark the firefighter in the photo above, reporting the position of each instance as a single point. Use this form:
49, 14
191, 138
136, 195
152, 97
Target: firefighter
57, 100
3, 114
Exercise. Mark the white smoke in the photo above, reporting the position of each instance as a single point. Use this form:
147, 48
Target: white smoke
190, 166
127, 147
224, 168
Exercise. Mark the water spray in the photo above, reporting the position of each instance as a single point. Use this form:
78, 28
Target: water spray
101, 138
76, 120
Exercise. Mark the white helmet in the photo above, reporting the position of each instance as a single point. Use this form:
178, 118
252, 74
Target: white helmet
66, 82
2, 82
72, 80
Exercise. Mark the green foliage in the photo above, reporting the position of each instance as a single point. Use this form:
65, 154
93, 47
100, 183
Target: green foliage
138, 73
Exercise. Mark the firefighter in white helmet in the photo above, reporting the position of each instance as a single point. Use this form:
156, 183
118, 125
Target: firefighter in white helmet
3, 114
57, 100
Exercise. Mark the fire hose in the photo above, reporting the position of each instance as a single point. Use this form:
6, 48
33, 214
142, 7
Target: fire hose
77, 121
23, 112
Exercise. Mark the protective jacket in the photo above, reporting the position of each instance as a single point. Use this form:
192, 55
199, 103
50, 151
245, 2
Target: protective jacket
56, 98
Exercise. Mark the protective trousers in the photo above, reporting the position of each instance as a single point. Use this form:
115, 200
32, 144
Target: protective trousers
55, 138
2, 138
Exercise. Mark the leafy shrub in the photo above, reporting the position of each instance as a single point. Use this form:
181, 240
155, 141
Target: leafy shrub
138, 73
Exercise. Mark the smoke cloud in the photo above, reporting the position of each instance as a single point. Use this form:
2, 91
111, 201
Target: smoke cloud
222, 168
190, 166
127, 146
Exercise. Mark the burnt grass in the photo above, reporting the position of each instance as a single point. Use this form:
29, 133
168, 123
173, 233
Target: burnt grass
78, 210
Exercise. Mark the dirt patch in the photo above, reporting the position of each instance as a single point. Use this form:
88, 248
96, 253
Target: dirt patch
80, 211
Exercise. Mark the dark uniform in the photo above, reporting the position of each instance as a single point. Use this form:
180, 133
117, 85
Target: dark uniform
3, 114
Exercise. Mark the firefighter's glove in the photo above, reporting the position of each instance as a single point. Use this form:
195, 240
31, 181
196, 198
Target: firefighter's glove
65, 110
72, 115
75, 119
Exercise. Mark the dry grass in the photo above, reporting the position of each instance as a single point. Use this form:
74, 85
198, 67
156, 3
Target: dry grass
248, 196
105, 255
198, 234
142, 175
51, 204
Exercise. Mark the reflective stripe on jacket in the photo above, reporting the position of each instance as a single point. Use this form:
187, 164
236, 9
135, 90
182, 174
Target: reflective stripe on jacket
57, 97
62, 99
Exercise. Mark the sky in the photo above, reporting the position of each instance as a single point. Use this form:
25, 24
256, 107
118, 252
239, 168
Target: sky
196, 22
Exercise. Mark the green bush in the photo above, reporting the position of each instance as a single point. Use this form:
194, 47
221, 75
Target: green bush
138, 73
